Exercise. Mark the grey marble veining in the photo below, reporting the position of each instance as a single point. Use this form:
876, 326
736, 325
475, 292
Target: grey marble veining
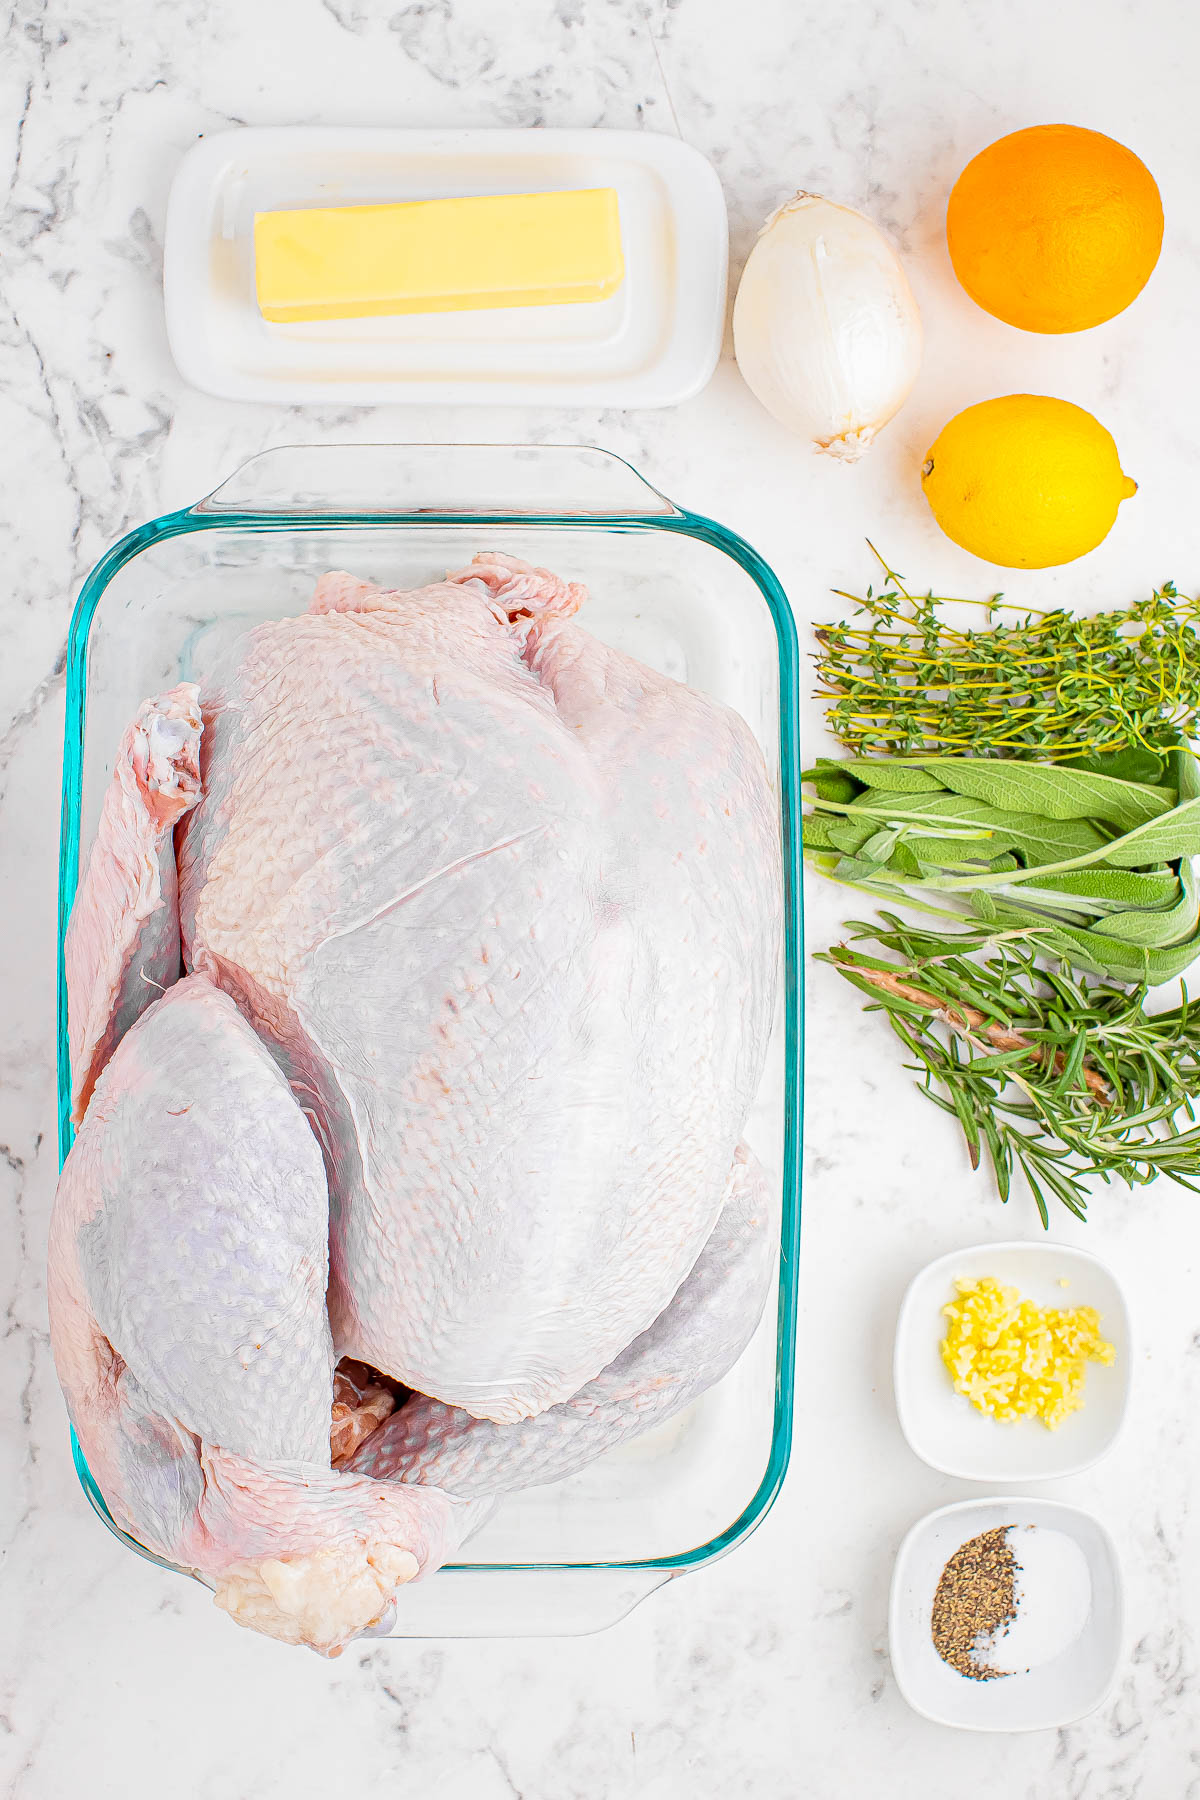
767, 1675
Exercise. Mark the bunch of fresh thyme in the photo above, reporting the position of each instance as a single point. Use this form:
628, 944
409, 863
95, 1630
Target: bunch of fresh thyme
1058, 1078
1050, 685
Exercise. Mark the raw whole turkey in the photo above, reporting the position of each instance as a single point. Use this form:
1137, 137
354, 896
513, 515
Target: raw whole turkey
420, 983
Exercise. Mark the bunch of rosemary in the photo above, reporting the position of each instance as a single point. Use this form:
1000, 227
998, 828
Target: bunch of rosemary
1048, 685
1060, 1079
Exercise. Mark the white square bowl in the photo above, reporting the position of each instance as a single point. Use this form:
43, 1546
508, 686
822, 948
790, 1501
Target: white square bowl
942, 1426
1061, 1690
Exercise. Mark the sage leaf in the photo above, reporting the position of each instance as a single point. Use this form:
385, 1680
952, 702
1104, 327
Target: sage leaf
816, 829
1184, 771
1176, 834
892, 775
849, 835
1037, 840
831, 782
935, 852
1053, 791
856, 870
1107, 956
1154, 929
1118, 888
904, 861
878, 848
1128, 962
1151, 767
1132, 763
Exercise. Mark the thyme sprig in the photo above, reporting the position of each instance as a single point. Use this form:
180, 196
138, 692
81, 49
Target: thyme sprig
1060, 1078
1047, 685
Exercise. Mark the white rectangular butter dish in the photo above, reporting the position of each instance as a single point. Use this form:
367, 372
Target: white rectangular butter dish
653, 343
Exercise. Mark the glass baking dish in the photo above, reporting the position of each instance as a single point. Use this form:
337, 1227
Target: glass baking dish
674, 589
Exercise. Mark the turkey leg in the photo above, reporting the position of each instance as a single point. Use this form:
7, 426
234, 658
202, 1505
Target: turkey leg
690, 1346
188, 1265
122, 945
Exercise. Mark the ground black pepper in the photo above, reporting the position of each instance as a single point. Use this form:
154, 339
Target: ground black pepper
973, 1603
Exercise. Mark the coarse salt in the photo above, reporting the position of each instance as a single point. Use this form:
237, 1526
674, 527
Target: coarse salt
1052, 1592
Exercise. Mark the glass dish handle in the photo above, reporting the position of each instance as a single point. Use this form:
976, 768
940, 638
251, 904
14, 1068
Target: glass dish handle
482, 1602
469, 1602
457, 481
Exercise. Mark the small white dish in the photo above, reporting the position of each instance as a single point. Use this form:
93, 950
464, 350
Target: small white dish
950, 1434
654, 343
1062, 1689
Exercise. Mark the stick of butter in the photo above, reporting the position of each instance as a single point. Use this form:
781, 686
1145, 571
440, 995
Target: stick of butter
354, 262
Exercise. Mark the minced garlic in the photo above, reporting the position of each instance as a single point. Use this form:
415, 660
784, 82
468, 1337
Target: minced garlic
1015, 1360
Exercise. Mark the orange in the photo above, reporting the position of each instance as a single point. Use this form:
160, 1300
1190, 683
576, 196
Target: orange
1055, 228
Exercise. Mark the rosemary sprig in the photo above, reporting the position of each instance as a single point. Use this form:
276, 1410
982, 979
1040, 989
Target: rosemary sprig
1049, 685
1061, 1079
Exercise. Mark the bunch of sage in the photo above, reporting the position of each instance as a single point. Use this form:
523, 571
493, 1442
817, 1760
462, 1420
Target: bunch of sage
1094, 867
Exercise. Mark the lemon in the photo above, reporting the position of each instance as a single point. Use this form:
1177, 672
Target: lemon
1025, 481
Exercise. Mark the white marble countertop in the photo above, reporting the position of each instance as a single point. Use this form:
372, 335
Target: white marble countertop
767, 1675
